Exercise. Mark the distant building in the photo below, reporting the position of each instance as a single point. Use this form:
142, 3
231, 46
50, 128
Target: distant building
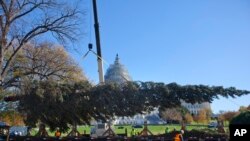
195, 108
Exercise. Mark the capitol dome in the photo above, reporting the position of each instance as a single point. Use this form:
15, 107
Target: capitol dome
117, 73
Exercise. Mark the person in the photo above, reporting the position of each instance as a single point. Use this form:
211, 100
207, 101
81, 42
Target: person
74, 132
132, 132
126, 131
42, 131
57, 133
135, 132
179, 136
28, 131
166, 130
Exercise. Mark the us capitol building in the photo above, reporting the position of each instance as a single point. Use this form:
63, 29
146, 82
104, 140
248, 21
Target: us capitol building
118, 73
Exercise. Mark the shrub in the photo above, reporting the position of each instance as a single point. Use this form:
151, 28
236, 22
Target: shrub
242, 118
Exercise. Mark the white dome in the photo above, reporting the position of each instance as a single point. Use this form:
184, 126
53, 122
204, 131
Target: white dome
117, 73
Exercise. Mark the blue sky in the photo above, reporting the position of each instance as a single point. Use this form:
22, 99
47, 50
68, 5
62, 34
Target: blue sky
187, 42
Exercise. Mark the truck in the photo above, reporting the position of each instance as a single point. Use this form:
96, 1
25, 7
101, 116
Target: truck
101, 130
98, 130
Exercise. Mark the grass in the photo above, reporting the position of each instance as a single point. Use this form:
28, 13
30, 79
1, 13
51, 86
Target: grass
155, 129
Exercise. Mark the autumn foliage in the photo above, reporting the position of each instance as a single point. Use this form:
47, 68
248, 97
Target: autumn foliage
12, 118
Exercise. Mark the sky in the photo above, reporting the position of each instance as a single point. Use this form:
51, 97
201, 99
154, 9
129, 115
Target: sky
187, 42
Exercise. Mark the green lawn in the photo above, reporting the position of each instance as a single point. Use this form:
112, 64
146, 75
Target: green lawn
155, 129
158, 129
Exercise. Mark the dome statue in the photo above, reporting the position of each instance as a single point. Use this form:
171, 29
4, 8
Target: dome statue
117, 73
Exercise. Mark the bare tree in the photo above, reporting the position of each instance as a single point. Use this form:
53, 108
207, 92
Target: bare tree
188, 118
171, 114
204, 116
22, 21
228, 116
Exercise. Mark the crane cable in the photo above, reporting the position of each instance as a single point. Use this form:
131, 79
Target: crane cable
90, 38
90, 50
